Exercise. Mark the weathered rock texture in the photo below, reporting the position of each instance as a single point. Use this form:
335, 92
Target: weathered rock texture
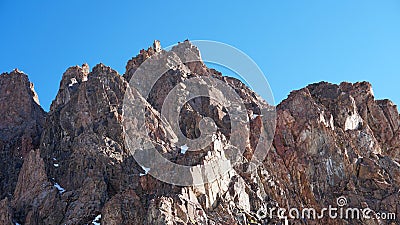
21, 124
71, 166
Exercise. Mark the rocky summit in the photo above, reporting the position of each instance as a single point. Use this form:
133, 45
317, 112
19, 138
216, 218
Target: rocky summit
334, 146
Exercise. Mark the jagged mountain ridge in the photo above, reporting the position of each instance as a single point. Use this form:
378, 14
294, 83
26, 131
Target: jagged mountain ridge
331, 141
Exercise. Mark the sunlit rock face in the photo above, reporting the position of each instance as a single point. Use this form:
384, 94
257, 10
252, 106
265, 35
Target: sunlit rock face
72, 165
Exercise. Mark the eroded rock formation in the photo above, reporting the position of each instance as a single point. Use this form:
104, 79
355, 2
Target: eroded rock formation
21, 124
72, 165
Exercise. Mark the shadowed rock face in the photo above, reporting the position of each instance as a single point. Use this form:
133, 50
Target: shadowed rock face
21, 124
331, 141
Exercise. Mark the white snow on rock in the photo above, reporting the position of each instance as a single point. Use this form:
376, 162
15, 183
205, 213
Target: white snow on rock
146, 170
353, 122
254, 116
184, 148
73, 82
96, 220
332, 123
59, 188
328, 124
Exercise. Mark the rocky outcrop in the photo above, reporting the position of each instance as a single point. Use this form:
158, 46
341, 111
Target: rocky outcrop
331, 141
36, 199
330, 146
82, 143
21, 124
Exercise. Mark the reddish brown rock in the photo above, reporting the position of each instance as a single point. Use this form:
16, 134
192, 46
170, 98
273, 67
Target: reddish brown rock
6, 212
82, 143
124, 208
36, 199
330, 141
21, 122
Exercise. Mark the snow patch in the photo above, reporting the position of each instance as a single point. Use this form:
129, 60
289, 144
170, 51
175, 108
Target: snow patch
353, 122
184, 148
73, 82
332, 123
59, 188
182, 85
322, 119
324, 122
96, 220
146, 171
218, 145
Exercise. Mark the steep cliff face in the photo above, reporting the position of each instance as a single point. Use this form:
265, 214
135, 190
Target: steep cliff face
331, 145
82, 143
21, 124
76, 168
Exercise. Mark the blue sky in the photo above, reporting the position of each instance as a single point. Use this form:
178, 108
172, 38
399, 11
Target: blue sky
293, 42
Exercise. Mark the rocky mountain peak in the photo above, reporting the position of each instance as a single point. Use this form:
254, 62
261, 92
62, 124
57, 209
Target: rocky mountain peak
16, 78
102, 69
192, 57
136, 61
157, 46
74, 166
19, 102
184, 51
74, 75
21, 124
70, 80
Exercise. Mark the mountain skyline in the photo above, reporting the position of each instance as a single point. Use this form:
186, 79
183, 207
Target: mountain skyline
111, 151
294, 43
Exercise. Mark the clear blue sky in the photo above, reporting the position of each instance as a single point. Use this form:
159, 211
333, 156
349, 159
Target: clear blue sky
294, 42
